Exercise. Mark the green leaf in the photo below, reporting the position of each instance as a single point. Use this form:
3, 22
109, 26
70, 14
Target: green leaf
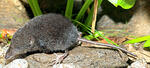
92, 36
147, 43
69, 8
89, 37
126, 4
115, 2
138, 40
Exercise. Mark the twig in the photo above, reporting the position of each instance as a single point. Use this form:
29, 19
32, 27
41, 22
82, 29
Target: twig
94, 15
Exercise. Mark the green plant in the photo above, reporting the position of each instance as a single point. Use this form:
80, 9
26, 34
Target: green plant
95, 35
140, 39
126, 4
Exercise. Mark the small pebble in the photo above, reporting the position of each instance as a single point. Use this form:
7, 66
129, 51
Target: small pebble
0, 66
141, 63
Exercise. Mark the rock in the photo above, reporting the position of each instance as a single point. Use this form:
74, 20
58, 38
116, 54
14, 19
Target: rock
110, 27
2, 54
134, 21
81, 57
107, 23
18, 63
139, 24
141, 63
12, 15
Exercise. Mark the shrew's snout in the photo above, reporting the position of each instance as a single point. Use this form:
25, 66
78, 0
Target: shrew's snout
8, 54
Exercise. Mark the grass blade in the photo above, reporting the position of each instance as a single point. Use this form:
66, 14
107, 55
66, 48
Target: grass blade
32, 7
35, 7
83, 9
69, 8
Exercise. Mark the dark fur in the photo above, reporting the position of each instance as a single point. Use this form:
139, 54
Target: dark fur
50, 32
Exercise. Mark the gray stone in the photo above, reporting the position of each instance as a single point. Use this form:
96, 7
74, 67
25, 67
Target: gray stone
12, 14
81, 57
